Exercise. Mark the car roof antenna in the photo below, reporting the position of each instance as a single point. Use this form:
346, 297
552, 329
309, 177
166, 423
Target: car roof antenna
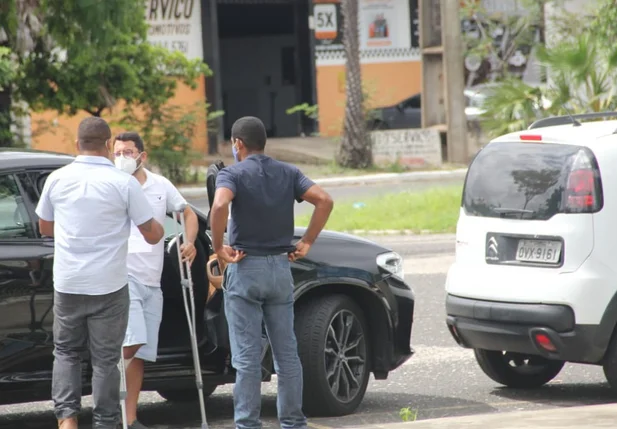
575, 123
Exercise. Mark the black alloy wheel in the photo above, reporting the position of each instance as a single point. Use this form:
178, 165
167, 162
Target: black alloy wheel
334, 348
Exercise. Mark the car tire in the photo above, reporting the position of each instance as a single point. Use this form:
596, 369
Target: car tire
320, 354
609, 364
186, 395
517, 370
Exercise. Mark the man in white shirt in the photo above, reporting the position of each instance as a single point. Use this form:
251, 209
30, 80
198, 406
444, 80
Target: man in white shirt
88, 207
145, 265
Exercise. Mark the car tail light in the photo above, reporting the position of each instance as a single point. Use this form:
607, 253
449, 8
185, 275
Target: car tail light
584, 189
545, 342
531, 137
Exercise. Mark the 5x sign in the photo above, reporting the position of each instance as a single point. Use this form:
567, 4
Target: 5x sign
326, 21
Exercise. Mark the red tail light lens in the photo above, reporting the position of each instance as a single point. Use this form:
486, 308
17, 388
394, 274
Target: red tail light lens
531, 137
581, 189
545, 342
582, 193
584, 189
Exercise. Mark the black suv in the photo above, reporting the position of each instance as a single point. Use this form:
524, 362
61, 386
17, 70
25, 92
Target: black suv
350, 300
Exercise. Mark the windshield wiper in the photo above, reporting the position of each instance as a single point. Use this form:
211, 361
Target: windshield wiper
504, 211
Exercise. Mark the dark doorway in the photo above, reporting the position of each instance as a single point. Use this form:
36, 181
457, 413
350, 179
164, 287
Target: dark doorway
266, 63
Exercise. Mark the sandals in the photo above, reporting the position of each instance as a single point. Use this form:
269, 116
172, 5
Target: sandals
70, 423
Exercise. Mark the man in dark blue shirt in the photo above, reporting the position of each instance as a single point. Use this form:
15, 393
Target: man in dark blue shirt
258, 285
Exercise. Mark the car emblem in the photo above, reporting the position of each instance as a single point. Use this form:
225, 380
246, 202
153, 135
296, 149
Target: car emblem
493, 246
492, 249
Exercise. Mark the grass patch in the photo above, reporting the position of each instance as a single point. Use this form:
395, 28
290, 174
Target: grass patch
434, 210
320, 171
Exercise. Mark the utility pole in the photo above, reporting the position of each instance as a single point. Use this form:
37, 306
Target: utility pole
210, 40
443, 79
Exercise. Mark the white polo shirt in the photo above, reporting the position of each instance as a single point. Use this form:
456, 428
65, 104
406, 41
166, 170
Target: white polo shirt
92, 205
145, 261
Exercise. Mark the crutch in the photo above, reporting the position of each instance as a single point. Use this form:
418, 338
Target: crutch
122, 369
187, 289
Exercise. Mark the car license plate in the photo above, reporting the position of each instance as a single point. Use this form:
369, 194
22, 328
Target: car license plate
543, 251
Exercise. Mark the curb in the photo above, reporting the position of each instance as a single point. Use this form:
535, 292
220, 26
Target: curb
415, 176
434, 237
396, 232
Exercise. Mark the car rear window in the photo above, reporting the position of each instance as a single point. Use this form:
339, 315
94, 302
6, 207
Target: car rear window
518, 180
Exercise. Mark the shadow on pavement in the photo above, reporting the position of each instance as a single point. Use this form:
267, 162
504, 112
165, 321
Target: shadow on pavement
384, 407
377, 407
561, 395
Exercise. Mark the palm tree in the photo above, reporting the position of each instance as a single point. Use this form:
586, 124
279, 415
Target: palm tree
582, 75
511, 105
355, 150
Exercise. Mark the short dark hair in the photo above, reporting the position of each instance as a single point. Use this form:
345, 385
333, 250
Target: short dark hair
251, 131
131, 136
93, 132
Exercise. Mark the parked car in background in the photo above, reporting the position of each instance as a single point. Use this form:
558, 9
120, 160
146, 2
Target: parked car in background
408, 112
354, 310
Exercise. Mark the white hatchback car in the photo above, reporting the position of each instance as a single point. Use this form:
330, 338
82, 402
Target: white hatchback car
534, 282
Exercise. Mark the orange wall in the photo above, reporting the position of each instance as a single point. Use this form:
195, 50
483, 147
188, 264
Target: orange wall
387, 83
57, 133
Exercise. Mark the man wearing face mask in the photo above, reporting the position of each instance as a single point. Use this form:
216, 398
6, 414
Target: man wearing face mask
145, 265
258, 285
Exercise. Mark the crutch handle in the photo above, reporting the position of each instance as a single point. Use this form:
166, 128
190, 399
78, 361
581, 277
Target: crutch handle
180, 207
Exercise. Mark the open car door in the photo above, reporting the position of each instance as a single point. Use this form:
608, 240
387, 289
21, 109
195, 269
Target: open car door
211, 326
216, 323
213, 171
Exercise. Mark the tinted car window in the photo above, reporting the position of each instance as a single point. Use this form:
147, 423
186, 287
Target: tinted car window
519, 176
14, 219
32, 184
29, 184
412, 103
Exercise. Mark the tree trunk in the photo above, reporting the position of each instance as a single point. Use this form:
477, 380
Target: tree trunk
355, 150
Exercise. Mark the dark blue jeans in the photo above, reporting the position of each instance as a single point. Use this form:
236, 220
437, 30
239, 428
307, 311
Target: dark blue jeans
260, 288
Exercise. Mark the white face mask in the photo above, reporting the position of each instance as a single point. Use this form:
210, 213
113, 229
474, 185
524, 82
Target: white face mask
128, 165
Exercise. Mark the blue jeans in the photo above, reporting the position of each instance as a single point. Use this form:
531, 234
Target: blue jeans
260, 288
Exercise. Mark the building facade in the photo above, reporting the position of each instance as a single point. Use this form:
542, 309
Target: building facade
269, 56
389, 54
